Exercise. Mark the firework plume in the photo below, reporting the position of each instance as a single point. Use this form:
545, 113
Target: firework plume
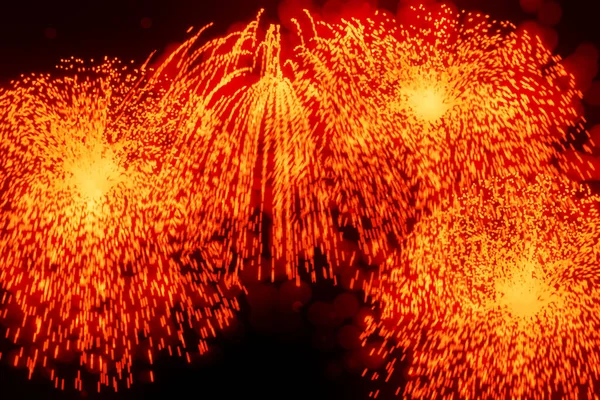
497, 296
411, 110
84, 263
256, 161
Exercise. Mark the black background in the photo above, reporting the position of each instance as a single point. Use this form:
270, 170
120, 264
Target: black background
248, 364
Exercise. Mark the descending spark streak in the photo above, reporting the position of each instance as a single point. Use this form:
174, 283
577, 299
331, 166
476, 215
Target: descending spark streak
498, 295
80, 247
428, 106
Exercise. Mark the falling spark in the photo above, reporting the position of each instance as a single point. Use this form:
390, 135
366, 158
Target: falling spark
497, 295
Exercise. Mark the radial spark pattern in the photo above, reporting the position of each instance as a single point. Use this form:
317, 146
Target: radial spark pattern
436, 101
498, 295
84, 267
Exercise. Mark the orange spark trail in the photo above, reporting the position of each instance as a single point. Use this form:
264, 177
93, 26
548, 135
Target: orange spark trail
81, 248
498, 294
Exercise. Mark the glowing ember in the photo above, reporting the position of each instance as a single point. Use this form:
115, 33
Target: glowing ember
498, 295
85, 272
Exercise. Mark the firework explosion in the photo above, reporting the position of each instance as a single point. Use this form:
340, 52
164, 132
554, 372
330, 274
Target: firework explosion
84, 270
126, 195
498, 295
265, 148
298, 132
437, 100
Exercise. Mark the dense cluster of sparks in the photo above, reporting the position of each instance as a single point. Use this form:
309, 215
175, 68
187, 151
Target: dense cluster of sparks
366, 118
262, 158
497, 296
133, 196
413, 110
81, 198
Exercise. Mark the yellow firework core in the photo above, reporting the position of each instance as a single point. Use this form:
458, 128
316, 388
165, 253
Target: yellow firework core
92, 173
498, 293
523, 295
428, 103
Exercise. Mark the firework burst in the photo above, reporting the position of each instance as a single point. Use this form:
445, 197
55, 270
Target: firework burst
436, 101
255, 161
497, 296
80, 246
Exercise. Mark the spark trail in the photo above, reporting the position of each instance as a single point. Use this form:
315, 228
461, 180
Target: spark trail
262, 150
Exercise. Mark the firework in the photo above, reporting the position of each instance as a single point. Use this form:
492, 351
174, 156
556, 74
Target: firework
413, 109
277, 137
497, 296
253, 170
82, 249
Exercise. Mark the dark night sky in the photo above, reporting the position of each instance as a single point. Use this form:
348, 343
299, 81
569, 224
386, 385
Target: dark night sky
113, 27
252, 364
